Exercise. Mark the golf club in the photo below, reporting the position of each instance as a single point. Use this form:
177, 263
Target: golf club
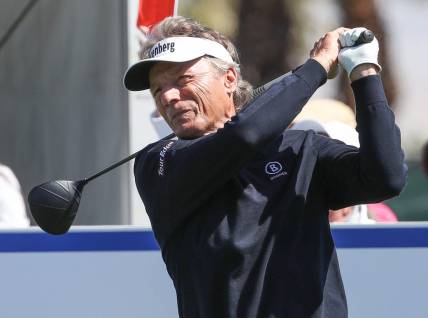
54, 204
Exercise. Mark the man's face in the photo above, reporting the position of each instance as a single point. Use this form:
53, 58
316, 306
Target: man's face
193, 97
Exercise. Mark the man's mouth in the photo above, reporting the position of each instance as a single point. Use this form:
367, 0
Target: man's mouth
180, 114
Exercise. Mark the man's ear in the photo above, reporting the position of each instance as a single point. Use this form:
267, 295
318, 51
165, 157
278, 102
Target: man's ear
231, 80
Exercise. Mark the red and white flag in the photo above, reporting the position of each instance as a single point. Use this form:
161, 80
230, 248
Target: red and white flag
151, 12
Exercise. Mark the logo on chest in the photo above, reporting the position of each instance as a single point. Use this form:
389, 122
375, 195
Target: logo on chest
274, 170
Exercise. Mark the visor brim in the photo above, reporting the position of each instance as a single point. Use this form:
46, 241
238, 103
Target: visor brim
137, 76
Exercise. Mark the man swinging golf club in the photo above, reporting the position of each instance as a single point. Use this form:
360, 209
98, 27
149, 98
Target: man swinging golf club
238, 204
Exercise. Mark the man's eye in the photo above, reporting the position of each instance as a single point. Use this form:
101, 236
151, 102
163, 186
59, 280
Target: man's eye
184, 79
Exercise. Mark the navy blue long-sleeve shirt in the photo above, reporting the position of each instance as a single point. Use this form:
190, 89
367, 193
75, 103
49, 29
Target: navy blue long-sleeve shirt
241, 215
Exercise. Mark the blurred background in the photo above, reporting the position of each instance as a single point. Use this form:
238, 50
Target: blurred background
64, 113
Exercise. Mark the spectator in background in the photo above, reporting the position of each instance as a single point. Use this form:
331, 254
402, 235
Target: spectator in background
12, 207
324, 110
381, 212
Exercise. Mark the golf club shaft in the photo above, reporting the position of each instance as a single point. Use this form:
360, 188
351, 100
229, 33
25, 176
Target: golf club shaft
121, 162
365, 37
111, 167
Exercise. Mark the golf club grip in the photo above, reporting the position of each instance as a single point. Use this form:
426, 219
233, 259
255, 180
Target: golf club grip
365, 37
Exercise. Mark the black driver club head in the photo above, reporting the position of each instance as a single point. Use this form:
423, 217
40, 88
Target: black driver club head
54, 204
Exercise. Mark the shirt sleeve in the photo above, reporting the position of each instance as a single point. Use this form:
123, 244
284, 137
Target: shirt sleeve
174, 178
374, 172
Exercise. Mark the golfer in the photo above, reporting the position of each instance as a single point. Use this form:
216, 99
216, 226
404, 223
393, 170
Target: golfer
238, 204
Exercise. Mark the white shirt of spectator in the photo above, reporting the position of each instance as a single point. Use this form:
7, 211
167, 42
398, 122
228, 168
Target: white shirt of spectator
12, 207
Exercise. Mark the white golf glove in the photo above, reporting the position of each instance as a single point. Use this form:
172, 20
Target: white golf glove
351, 56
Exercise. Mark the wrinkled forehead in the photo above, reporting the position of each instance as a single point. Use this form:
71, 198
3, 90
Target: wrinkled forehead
166, 71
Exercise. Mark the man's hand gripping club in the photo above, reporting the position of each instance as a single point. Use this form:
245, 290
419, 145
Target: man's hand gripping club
337, 46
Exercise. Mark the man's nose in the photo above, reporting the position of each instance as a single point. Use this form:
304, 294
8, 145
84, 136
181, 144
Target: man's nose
170, 95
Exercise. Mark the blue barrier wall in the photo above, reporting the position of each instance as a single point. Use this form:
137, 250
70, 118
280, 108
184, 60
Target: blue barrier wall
119, 272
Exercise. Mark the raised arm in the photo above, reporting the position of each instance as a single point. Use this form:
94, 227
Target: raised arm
376, 171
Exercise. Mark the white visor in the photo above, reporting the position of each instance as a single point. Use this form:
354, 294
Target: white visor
173, 49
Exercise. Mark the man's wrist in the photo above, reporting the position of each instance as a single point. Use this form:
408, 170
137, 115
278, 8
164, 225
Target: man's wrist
368, 90
324, 63
313, 73
363, 70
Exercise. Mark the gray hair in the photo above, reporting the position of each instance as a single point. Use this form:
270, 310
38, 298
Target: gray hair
180, 26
